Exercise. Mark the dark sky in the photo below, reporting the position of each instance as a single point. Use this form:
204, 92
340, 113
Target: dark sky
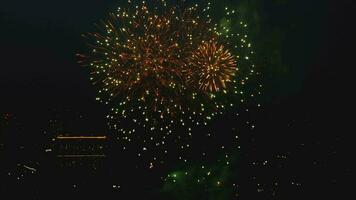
39, 40
300, 46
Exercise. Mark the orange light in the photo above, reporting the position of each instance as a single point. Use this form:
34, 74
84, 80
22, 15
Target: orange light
80, 137
79, 156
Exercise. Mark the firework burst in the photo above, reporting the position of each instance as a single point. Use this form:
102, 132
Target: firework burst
213, 67
167, 69
141, 56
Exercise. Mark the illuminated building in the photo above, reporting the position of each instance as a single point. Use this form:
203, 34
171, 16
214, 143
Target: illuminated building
79, 151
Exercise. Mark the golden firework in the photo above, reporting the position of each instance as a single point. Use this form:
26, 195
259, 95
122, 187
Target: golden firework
141, 56
165, 70
213, 67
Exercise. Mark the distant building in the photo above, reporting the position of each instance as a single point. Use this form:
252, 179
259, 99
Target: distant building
78, 151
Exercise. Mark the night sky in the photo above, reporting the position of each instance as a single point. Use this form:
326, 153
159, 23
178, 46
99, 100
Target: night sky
304, 52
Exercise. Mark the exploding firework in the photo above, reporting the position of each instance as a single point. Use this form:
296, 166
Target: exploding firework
213, 67
140, 58
167, 69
